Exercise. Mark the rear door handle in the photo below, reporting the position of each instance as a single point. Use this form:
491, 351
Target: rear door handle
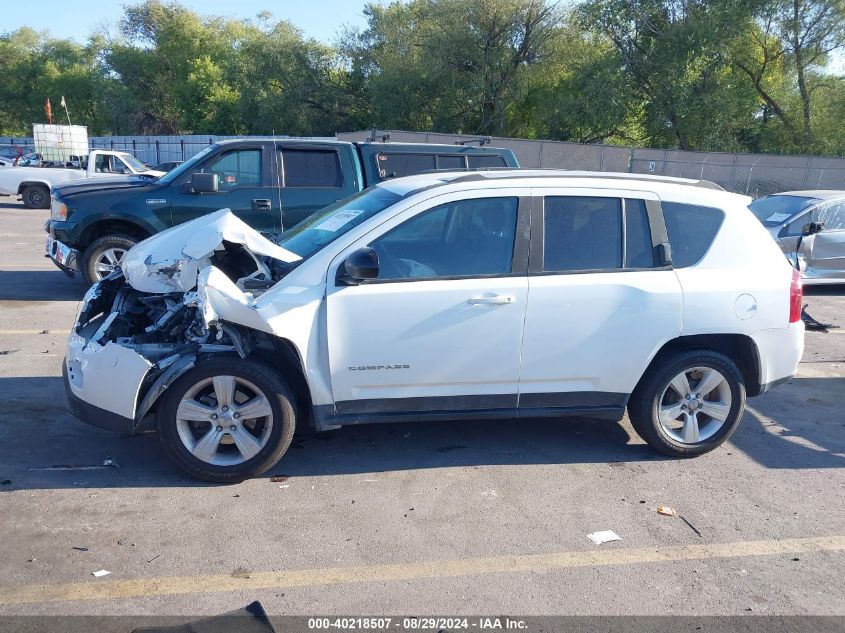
491, 300
261, 203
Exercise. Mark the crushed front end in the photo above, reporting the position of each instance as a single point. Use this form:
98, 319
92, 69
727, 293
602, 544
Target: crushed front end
137, 331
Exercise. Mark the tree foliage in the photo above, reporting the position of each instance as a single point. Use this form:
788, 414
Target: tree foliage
693, 74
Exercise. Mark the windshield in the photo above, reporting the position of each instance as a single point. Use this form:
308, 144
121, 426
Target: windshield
325, 226
775, 210
185, 167
134, 163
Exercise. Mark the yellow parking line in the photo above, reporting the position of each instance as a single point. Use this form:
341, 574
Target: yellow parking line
27, 332
280, 579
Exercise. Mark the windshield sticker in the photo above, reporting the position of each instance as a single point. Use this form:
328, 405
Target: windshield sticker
778, 217
338, 220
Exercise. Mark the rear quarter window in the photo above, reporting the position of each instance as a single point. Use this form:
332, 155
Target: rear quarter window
692, 229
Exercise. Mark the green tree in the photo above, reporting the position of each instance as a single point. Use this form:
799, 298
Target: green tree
675, 53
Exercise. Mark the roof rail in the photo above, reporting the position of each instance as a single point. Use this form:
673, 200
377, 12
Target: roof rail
556, 173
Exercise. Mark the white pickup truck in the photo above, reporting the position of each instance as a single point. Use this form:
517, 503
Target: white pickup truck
34, 184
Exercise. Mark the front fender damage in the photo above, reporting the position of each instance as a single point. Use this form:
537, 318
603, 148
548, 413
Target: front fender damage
186, 292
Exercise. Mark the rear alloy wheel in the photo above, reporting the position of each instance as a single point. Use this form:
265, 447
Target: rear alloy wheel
36, 197
688, 404
226, 420
103, 254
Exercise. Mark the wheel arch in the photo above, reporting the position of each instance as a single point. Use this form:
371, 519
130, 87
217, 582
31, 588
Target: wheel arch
283, 357
112, 226
740, 348
33, 183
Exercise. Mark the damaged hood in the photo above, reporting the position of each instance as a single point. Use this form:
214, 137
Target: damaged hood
171, 260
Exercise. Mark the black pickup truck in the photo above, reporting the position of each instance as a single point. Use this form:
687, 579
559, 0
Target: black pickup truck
271, 184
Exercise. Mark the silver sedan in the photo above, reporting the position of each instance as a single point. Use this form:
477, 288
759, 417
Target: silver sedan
809, 227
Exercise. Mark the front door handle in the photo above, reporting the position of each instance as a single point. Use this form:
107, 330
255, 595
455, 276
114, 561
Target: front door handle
491, 300
261, 204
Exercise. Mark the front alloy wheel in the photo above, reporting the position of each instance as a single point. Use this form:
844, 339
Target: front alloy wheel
227, 419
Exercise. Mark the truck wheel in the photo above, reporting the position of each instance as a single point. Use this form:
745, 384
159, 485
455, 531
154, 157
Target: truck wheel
688, 403
103, 254
36, 197
227, 419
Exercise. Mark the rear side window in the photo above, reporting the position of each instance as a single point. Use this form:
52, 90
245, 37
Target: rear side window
306, 168
480, 161
398, 165
691, 230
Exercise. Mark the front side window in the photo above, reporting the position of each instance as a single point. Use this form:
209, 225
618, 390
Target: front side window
238, 168
466, 238
691, 230
311, 168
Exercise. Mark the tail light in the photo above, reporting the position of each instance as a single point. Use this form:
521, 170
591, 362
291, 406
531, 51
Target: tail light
796, 296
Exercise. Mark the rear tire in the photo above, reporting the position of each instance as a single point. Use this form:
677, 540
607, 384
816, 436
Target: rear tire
691, 423
36, 197
103, 253
227, 448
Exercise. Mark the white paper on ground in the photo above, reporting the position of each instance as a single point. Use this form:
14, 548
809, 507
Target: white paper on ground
100, 573
604, 537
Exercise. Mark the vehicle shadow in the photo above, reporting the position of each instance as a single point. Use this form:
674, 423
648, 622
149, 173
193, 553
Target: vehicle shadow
39, 285
794, 427
797, 425
48, 448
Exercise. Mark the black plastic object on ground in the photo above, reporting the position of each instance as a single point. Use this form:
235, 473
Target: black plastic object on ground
250, 619
811, 324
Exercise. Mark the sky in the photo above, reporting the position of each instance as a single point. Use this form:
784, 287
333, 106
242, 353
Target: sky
320, 19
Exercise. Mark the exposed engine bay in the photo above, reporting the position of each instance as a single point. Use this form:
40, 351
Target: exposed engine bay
173, 322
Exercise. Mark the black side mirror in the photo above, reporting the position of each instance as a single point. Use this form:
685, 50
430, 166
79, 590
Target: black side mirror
359, 266
204, 183
812, 228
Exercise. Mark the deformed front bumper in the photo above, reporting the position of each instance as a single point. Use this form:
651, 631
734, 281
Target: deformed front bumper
94, 415
103, 383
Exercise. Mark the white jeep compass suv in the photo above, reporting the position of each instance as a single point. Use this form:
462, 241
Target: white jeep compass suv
444, 296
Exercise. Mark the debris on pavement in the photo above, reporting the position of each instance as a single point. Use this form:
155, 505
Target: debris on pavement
153, 558
100, 574
279, 479
80, 549
692, 527
605, 536
667, 510
811, 324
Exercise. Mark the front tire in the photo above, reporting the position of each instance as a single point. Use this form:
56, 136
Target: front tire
227, 419
36, 197
688, 403
103, 254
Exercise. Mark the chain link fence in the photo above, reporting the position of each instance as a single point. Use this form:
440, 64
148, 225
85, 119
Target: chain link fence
751, 174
